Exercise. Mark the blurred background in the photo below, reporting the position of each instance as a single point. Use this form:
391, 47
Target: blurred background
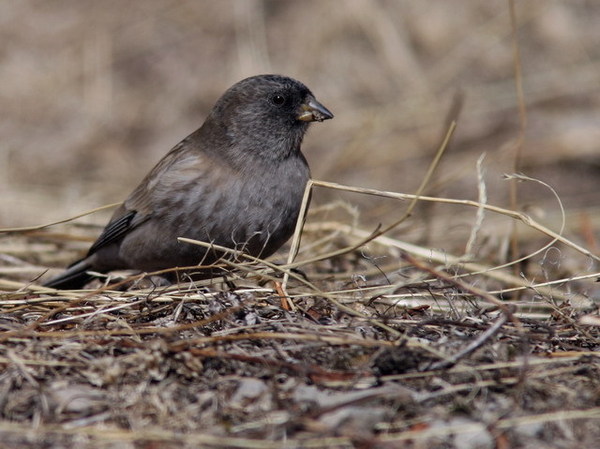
94, 93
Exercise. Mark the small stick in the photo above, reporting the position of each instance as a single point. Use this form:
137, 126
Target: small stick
477, 343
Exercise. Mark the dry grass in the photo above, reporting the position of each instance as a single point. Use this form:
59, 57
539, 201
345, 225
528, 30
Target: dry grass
453, 316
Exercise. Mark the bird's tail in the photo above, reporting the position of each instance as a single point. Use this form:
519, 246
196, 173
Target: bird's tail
74, 277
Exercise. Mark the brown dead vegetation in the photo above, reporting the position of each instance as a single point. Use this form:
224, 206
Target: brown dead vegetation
471, 322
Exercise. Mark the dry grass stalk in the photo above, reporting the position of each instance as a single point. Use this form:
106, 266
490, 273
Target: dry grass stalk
392, 340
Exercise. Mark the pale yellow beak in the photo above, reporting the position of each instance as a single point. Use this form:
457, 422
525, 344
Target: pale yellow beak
313, 111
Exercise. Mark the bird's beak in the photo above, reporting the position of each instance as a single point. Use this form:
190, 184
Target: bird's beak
313, 111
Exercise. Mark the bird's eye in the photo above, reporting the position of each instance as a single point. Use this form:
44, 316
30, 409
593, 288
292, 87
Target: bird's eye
278, 99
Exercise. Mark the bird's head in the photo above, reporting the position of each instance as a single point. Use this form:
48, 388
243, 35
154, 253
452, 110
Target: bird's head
268, 114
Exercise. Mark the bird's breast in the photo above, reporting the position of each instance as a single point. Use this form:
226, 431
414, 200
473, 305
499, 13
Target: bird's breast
255, 210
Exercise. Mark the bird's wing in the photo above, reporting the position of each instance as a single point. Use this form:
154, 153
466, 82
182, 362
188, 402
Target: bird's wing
177, 166
118, 227
153, 194
136, 209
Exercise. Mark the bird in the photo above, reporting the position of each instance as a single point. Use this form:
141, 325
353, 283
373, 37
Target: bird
237, 181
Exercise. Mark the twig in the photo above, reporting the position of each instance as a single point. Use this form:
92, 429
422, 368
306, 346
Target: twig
477, 343
66, 220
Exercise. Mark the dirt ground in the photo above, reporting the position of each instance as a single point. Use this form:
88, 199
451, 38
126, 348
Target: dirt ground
472, 322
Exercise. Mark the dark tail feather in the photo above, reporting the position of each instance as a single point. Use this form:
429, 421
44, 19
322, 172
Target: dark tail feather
74, 277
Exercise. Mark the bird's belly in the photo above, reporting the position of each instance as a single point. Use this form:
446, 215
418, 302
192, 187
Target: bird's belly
255, 217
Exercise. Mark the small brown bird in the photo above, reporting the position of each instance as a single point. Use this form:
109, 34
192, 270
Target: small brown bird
237, 182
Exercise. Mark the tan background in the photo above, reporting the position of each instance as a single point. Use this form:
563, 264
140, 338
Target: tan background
93, 93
